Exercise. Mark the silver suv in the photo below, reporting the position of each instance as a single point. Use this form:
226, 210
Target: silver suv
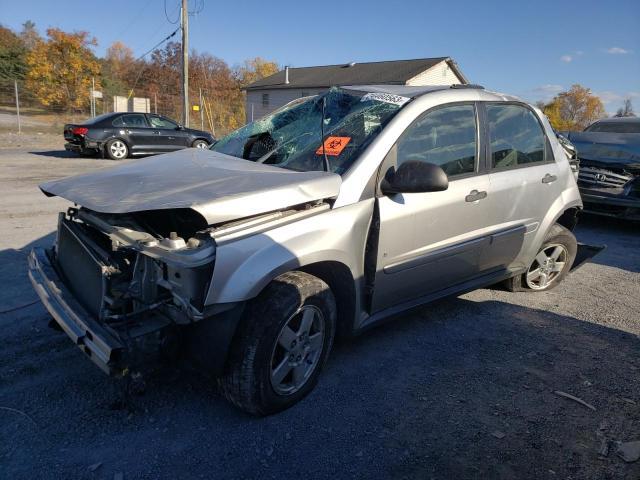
322, 219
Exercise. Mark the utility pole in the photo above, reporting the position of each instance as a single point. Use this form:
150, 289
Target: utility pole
201, 112
185, 63
93, 97
15, 84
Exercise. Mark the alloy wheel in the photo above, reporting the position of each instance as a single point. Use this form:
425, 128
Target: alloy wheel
547, 266
118, 149
297, 351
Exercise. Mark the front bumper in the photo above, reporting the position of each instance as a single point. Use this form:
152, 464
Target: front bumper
611, 205
101, 346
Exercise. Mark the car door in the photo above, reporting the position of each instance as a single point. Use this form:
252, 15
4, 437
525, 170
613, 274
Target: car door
431, 241
523, 177
168, 134
134, 129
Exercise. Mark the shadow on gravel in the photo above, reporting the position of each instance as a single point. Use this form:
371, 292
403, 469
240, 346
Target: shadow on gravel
61, 154
458, 389
15, 288
621, 237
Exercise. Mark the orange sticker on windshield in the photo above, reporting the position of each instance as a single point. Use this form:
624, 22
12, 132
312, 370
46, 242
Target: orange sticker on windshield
333, 145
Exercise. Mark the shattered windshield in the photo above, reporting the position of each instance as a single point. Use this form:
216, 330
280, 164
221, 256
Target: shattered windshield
292, 137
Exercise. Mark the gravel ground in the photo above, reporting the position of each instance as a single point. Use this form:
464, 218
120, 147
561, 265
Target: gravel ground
463, 388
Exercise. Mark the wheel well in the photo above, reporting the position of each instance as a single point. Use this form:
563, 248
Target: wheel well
338, 276
200, 138
569, 218
104, 144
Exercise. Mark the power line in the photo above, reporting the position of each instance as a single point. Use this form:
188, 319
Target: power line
167, 15
147, 53
158, 44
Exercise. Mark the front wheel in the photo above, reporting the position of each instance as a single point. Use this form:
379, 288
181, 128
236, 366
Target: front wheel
550, 265
200, 144
281, 346
116, 149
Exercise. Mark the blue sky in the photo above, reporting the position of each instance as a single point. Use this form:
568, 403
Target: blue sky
528, 48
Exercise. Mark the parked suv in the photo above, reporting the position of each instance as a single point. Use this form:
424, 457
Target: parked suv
324, 218
120, 135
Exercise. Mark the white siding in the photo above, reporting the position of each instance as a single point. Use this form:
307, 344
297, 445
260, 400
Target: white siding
440, 74
277, 98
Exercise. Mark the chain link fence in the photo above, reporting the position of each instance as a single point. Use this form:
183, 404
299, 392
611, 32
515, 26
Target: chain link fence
22, 111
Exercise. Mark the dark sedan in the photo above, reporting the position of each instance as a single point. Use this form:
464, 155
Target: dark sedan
609, 179
120, 135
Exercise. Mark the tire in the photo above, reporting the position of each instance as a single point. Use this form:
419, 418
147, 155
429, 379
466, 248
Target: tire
257, 359
200, 144
559, 243
116, 149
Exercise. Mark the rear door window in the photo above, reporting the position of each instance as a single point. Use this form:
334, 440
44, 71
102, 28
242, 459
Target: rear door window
131, 120
161, 122
516, 136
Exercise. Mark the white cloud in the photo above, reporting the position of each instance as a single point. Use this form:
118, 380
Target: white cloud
542, 92
617, 51
566, 58
548, 89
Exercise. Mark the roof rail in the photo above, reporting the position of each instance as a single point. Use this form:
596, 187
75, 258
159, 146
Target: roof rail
468, 85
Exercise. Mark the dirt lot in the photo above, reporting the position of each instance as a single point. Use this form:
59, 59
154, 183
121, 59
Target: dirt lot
460, 389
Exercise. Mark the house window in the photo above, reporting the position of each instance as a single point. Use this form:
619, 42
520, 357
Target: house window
265, 99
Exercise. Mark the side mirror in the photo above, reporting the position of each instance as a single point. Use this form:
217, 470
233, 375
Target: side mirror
415, 177
179, 127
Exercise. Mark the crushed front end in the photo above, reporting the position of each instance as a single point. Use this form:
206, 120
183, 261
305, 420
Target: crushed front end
121, 285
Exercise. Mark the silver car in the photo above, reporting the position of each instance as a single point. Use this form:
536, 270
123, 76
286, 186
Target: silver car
322, 219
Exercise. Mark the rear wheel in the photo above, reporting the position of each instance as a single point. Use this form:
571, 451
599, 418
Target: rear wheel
281, 346
116, 149
550, 265
200, 144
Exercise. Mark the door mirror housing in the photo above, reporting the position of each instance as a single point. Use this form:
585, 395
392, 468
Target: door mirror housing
415, 176
179, 127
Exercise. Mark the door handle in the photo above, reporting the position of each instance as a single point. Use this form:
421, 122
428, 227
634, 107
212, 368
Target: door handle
475, 195
548, 178
156, 132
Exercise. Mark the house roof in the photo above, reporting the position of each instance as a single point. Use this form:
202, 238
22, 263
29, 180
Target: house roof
396, 72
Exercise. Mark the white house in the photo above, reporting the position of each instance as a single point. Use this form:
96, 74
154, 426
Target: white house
267, 94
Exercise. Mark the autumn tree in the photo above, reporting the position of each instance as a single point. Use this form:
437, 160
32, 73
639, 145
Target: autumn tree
626, 110
255, 69
12, 55
119, 69
574, 109
30, 35
60, 69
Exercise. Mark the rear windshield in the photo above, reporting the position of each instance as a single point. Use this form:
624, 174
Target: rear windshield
94, 120
615, 127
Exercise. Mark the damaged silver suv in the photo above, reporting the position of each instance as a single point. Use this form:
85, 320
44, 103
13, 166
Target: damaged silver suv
322, 219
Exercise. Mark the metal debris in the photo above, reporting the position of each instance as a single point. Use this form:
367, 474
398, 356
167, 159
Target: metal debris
575, 399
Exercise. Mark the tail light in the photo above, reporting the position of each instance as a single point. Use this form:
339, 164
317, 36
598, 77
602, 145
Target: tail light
80, 131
